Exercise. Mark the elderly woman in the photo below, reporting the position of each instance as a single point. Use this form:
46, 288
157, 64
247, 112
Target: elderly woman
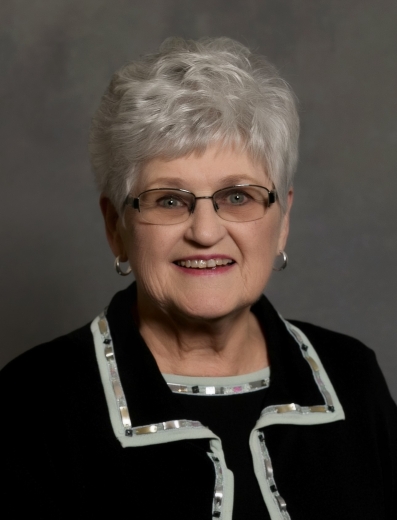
190, 397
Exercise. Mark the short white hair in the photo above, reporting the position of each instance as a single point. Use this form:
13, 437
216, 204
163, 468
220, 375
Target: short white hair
188, 96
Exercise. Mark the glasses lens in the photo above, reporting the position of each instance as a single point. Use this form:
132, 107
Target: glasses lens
165, 206
241, 203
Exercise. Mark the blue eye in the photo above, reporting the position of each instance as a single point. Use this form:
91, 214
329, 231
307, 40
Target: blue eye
170, 202
237, 198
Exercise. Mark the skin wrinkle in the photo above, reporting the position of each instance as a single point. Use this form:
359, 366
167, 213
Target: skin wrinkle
200, 325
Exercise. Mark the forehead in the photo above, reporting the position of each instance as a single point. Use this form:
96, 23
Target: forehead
213, 169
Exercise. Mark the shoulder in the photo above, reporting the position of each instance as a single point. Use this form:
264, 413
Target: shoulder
351, 366
332, 343
55, 360
56, 385
336, 349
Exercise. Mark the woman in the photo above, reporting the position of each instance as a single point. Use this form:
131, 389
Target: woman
189, 396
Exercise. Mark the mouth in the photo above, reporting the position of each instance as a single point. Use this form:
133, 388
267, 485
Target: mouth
212, 263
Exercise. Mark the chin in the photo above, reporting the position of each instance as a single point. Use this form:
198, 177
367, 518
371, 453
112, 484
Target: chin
211, 308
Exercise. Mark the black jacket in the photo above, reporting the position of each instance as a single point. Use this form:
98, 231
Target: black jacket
72, 448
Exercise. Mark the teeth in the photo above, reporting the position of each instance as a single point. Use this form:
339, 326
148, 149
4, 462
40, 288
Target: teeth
204, 264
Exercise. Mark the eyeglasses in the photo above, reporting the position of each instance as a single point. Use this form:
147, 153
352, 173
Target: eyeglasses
167, 206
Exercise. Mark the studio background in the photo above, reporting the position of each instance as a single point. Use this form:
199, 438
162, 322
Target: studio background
57, 57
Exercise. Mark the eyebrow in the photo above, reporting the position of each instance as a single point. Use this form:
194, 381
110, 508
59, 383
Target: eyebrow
229, 180
167, 182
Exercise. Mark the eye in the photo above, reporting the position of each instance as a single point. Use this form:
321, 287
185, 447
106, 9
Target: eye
170, 202
235, 197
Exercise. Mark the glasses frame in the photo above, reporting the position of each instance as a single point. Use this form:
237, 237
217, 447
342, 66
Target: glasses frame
134, 201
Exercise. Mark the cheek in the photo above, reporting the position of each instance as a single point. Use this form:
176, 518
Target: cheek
148, 251
142, 249
263, 241
261, 248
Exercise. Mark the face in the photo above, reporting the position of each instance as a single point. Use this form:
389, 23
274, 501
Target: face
156, 253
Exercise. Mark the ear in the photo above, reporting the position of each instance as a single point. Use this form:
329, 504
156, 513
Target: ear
284, 229
112, 225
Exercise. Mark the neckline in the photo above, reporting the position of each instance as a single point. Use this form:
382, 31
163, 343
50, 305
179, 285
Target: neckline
209, 386
150, 399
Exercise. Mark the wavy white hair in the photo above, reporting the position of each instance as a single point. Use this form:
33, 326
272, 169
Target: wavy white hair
189, 95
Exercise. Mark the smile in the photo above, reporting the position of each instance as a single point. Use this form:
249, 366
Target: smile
204, 264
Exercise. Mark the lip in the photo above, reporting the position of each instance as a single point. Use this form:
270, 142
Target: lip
215, 271
204, 257
218, 271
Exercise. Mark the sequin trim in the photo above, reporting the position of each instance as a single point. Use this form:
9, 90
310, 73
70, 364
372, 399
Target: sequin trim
290, 408
113, 372
120, 397
330, 407
267, 463
218, 491
293, 408
252, 386
163, 426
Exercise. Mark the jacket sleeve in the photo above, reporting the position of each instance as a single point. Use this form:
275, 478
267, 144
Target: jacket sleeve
384, 424
370, 410
30, 480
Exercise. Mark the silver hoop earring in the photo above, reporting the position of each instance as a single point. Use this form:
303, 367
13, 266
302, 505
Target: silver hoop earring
118, 268
285, 262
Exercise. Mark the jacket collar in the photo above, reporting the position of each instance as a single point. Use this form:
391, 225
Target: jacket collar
151, 401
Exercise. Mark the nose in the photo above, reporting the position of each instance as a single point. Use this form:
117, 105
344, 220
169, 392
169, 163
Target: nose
205, 226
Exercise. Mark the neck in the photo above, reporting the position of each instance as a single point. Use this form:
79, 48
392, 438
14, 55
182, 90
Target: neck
227, 346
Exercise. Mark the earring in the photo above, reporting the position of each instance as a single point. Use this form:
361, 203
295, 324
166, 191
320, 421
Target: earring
118, 268
285, 262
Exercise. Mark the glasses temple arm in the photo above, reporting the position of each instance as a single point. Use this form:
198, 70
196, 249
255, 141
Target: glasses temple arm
133, 202
272, 196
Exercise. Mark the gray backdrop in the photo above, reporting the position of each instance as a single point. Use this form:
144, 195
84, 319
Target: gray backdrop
340, 57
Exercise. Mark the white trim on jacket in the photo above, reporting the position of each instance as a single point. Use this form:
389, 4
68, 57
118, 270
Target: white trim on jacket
285, 413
